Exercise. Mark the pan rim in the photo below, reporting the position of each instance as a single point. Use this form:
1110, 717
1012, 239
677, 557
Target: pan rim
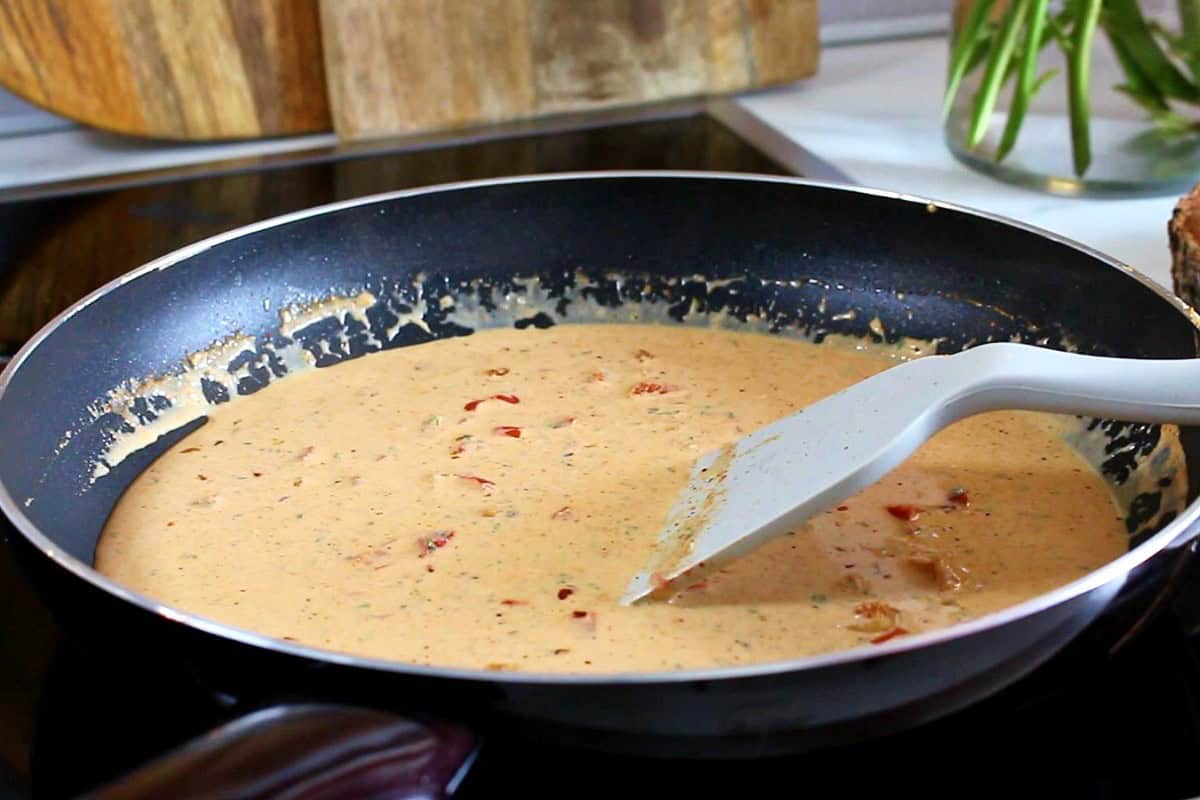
1177, 533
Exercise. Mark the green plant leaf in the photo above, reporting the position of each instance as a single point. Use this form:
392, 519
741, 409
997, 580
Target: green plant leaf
1057, 27
1027, 79
966, 45
993, 76
1042, 80
1138, 85
1189, 35
1079, 62
1123, 21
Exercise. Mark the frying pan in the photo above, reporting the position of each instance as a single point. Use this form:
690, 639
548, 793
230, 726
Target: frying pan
776, 254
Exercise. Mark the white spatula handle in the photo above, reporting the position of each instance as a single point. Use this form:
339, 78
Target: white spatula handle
1003, 376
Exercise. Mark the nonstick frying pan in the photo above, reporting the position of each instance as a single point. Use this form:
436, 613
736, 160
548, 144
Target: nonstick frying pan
777, 254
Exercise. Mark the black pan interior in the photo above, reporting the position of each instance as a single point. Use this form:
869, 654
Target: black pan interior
801, 256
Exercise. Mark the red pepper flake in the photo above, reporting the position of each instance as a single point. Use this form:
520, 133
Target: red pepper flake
565, 592
585, 618
892, 634
658, 581
497, 371
507, 398
904, 512
843, 508
700, 585
598, 376
477, 479
646, 387
431, 544
508, 430
959, 496
563, 423
511, 602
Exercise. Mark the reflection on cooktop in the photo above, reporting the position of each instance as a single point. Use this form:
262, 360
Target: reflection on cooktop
1086, 725
58, 249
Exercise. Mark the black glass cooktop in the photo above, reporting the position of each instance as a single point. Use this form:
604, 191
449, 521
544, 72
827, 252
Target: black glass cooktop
1088, 724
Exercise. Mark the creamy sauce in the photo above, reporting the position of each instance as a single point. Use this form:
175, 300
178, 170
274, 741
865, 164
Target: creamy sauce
375, 508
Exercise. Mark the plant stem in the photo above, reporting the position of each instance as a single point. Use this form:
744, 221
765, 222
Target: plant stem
964, 45
1189, 31
1079, 61
993, 76
1027, 77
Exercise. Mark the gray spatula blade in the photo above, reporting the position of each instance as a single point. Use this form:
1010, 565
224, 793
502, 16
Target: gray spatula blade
772, 480
745, 493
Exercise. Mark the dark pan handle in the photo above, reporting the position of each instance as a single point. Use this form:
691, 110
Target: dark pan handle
308, 752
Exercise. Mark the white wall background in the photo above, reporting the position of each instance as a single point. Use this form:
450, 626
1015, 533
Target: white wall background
861, 20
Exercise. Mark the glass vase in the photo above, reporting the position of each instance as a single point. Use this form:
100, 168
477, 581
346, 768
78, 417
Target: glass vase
1130, 154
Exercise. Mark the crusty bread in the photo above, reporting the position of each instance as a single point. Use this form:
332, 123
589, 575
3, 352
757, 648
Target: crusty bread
1184, 230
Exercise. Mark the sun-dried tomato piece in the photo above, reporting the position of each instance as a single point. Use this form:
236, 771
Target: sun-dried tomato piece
507, 398
649, 387
477, 479
904, 512
431, 544
892, 634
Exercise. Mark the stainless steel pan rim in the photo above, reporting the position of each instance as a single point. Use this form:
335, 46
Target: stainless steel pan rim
1178, 532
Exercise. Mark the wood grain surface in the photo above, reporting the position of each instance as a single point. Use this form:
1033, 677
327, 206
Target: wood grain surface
402, 66
176, 69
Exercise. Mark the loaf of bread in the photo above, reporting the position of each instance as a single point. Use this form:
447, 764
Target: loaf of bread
1184, 230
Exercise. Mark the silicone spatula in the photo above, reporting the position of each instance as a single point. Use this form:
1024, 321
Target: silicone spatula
769, 482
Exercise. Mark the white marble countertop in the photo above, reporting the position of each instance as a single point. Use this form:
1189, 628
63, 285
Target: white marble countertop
874, 111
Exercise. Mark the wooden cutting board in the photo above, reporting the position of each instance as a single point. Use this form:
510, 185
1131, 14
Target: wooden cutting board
176, 69
402, 66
